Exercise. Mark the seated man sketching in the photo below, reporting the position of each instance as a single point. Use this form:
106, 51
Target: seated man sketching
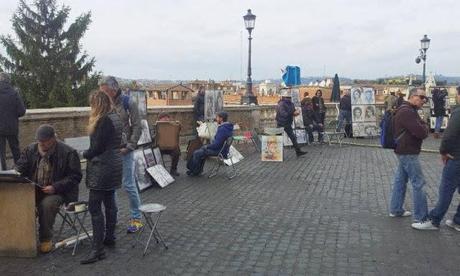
224, 131
312, 121
174, 153
55, 167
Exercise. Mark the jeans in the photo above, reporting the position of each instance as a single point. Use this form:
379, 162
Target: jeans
129, 184
48, 207
438, 124
196, 163
344, 115
409, 169
450, 181
13, 142
290, 133
103, 228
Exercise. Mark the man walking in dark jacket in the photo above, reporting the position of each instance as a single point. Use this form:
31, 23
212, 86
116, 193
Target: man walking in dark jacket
450, 181
55, 167
410, 131
224, 131
439, 109
345, 113
198, 106
12, 107
285, 112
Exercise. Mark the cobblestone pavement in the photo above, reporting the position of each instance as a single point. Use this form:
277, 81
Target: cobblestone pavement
430, 144
324, 214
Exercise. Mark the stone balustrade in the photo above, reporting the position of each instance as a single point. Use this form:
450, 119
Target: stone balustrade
72, 121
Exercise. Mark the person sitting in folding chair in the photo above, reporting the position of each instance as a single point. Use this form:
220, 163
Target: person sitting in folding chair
55, 167
312, 121
225, 130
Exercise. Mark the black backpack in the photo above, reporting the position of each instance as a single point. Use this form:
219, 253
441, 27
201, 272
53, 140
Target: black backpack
387, 135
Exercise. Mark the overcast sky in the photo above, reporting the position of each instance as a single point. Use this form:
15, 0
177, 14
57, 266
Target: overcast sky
206, 39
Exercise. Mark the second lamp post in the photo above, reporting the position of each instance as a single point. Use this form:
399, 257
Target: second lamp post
249, 98
424, 45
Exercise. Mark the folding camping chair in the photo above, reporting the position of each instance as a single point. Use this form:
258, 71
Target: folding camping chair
75, 219
221, 160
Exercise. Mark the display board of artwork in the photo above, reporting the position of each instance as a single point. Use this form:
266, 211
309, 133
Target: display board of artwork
160, 175
143, 181
235, 156
272, 148
145, 137
364, 112
213, 103
158, 157
300, 134
139, 98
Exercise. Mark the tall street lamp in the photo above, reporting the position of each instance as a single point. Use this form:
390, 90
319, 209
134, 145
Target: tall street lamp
424, 45
249, 22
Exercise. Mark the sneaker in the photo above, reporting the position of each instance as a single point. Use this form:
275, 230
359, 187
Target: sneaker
174, 173
424, 225
45, 246
405, 214
134, 226
453, 225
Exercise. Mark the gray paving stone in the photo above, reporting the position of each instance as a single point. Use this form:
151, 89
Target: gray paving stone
323, 214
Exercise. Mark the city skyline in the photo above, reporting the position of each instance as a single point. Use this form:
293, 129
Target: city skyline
186, 40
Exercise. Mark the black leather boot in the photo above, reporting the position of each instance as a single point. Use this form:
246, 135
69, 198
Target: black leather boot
94, 256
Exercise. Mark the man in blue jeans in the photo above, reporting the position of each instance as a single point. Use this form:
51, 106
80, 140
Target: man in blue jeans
130, 118
410, 131
450, 181
224, 131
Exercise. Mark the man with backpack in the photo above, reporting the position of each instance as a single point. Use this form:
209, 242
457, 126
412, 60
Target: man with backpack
129, 114
409, 130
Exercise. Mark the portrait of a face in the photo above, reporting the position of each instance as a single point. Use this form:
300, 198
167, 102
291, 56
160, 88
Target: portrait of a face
356, 95
368, 96
272, 148
145, 137
369, 114
357, 115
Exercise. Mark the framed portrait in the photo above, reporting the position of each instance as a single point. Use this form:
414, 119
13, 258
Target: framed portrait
272, 148
301, 136
145, 137
368, 96
143, 181
149, 157
213, 103
443, 125
158, 156
356, 93
357, 113
160, 175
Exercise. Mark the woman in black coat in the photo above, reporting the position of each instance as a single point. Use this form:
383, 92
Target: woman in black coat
103, 172
318, 105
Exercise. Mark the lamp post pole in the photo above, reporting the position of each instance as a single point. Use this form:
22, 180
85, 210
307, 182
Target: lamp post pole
249, 98
424, 45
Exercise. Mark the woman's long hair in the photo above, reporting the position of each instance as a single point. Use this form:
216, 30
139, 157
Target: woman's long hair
100, 105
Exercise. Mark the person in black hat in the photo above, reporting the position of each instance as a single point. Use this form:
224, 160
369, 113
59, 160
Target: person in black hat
224, 131
55, 168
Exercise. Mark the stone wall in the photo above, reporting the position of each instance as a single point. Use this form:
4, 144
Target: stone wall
71, 122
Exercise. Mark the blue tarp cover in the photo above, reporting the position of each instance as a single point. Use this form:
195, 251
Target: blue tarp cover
291, 75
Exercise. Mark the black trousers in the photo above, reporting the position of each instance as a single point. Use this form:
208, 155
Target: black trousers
13, 142
175, 154
290, 133
102, 230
